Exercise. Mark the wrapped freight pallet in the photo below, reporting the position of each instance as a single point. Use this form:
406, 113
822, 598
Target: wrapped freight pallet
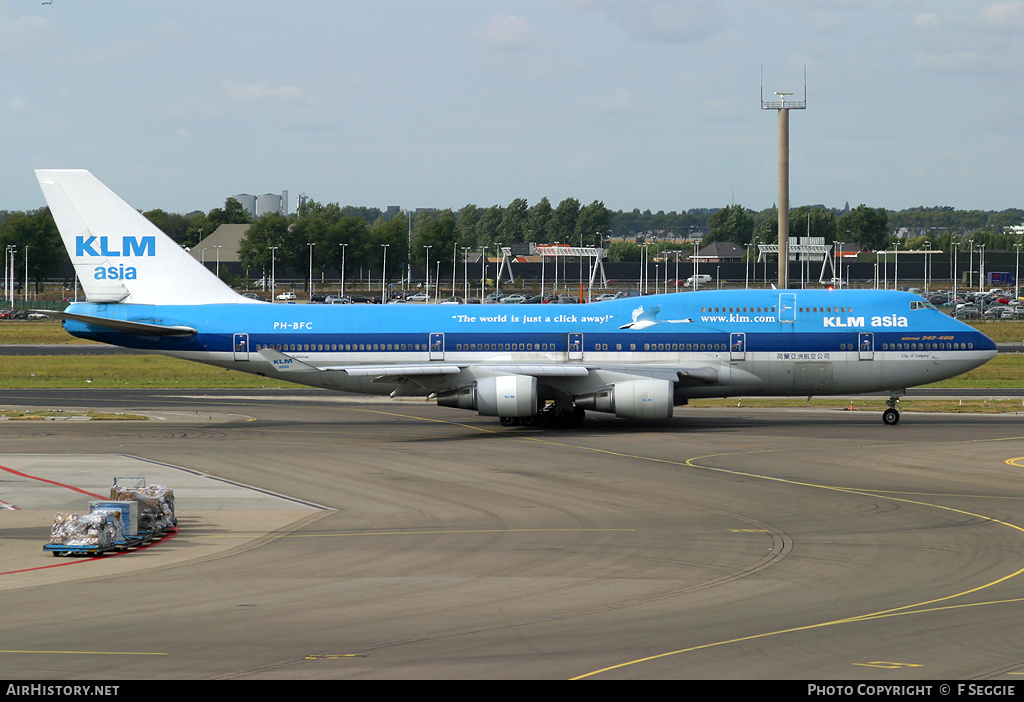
156, 505
98, 529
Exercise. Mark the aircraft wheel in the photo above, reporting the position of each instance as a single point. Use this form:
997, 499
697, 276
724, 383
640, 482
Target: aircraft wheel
891, 417
529, 420
509, 421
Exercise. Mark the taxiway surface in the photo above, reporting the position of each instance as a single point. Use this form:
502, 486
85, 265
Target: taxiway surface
324, 536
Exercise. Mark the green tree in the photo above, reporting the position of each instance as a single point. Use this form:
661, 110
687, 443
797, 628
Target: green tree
440, 235
732, 223
487, 226
562, 227
514, 222
231, 213
623, 252
591, 223
254, 250
466, 225
35, 236
538, 220
867, 227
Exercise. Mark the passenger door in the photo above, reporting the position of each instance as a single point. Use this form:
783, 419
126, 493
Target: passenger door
436, 343
866, 346
576, 346
240, 347
737, 346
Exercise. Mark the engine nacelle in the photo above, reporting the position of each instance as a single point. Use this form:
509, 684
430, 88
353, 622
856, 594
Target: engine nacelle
500, 396
648, 398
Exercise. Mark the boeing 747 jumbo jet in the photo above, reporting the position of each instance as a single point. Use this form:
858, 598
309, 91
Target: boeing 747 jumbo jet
527, 364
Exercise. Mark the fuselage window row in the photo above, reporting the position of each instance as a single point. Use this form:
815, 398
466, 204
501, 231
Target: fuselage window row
739, 310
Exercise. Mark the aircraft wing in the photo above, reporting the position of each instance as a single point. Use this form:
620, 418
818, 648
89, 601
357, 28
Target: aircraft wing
703, 374
283, 362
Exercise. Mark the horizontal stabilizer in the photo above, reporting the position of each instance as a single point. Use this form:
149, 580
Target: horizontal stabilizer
122, 325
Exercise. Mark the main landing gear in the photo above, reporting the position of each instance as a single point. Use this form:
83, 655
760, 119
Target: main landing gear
548, 418
891, 416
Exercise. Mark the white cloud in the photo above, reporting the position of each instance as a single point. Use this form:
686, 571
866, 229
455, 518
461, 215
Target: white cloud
27, 34
668, 21
619, 101
508, 33
259, 92
1004, 16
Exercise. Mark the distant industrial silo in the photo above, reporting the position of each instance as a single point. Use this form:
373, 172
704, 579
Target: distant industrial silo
272, 203
248, 202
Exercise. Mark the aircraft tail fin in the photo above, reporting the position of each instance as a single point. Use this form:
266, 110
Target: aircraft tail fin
118, 254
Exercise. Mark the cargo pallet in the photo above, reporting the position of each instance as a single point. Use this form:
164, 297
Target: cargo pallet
128, 544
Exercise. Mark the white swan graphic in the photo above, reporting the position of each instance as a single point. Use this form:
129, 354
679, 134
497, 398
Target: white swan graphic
648, 318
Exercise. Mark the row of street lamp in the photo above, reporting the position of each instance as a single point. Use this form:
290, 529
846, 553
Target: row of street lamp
643, 285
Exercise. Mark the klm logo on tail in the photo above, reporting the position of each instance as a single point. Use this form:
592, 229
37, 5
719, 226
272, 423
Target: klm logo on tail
100, 246
130, 246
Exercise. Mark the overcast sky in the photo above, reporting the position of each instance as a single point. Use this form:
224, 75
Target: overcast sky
653, 104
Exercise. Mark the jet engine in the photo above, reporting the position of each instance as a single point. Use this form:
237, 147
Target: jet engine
500, 396
647, 398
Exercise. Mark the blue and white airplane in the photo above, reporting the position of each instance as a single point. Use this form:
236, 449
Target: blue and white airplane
637, 358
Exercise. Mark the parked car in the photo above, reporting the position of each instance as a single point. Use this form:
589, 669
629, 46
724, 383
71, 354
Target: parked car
514, 299
451, 301
418, 297
318, 299
287, 296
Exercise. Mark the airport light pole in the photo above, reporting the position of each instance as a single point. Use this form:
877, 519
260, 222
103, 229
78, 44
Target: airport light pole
952, 271
1016, 274
427, 247
970, 263
927, 261
218, 260
981, 267
273, 273
896, 268
9, 266
343, 247
839, 262
465, 273
783, 109
384, 277
483, 272
309, 290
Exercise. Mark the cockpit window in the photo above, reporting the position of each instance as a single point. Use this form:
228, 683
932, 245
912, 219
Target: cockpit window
921, 305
